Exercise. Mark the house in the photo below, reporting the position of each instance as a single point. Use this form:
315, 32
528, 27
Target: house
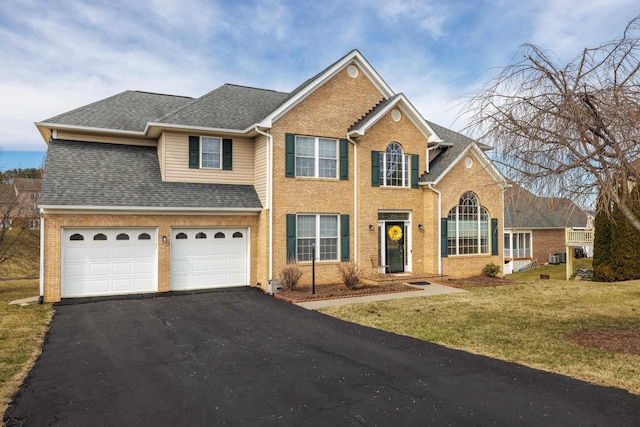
19, 203
535, 227
145, 192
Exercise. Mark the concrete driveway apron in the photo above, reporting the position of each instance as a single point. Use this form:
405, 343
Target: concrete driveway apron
239, 357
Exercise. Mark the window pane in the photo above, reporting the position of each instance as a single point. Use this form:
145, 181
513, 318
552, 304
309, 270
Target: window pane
327, 168
211, 153
305, 146
328, 226
304, 249
305, 166
328, 249
306, 226
327, 148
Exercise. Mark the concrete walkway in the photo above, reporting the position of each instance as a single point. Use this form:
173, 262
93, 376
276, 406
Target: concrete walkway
421, 291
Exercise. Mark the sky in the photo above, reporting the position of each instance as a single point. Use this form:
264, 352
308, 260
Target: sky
59, 55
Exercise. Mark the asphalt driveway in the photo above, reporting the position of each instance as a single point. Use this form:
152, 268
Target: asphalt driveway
239, 357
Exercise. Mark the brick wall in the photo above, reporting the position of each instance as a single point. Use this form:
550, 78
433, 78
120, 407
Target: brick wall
547, 242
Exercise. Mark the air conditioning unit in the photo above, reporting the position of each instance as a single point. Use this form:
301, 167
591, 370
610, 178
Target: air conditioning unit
554, 259
274, 287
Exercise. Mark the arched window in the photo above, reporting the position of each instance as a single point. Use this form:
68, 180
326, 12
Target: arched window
76, 236
181, 236
144, 236
99, 236
237, 234
122, 236
201, 235
394, 166
468, 227
219, 235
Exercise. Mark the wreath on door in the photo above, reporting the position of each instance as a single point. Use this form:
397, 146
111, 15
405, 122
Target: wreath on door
395, 233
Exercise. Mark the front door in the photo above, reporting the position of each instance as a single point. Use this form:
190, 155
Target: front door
395, 243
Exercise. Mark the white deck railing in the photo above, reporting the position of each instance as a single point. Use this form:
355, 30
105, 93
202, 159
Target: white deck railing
576, 237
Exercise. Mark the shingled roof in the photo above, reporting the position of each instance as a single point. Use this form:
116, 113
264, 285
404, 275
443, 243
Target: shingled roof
227, 107
130, 110
115, 183
524, 209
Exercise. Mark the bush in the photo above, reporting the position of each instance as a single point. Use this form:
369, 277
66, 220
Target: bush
490, 270
349, 274
289, 276
604, 273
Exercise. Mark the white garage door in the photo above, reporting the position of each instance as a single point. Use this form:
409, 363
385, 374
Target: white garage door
108, 261
208, 258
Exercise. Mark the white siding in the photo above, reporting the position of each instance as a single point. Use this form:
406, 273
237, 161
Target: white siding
260, 169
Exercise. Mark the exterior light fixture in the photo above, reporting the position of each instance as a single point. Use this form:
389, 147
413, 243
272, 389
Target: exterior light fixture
164, 239
370, 227
420, 226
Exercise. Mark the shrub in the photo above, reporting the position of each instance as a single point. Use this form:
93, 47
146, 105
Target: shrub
604, 273
289, 276
349, 274
490, 270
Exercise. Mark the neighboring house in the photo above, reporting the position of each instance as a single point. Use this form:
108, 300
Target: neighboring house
145, 192
535, 227
19, 203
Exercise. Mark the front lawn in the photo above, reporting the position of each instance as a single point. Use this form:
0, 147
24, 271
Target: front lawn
522, 323
22, 331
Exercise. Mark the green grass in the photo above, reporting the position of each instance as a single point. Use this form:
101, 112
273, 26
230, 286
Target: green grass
557, 272
22, 331
522, 323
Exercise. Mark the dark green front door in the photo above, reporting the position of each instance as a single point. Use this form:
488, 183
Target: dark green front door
394, 232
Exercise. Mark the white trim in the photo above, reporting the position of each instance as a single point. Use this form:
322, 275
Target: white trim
134, 210
41, 256
269, 142
409, 111
482, 159
48, 130
438, 220
353, 57
170, 126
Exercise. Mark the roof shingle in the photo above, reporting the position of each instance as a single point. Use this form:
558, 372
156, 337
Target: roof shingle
79, 173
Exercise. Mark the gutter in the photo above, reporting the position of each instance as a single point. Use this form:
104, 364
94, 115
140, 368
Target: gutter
41, 298
428, 158
430, 185
269, 194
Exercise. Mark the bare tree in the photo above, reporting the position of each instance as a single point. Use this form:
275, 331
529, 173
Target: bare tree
568, 130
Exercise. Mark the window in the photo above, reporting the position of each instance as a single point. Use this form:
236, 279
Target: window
219, 235
122, 236
318, 230
144, 236
316, 157
237, 235
99, 236
34, 224
76, 236
468, 227
6, 224
210, 149
181, 236
201, 235
33, 207
517, 245
394, 167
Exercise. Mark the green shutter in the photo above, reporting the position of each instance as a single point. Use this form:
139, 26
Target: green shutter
415, 176
227, 157
444, 237
375, 169
291, 237
494, 236
344, 237
344, 159
290, 155
194, 152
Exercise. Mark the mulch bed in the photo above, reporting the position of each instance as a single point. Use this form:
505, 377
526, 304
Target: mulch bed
303, 293
625, 341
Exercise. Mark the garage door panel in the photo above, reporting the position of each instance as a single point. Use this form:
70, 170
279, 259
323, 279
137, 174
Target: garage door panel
208, 262
111, 266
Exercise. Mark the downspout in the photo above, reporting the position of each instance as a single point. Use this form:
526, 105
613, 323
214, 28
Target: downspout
430, 185
355, 199
269, 195
41, 299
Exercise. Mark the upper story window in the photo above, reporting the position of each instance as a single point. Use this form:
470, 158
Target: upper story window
210, 149
210, 153
316, 157
394, 167
468, 227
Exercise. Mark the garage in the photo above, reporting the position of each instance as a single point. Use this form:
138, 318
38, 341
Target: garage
209, 258
108, 261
